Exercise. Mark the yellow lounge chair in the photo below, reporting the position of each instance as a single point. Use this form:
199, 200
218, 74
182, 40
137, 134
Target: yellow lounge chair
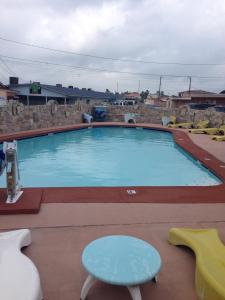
218, 138
173, 123
210, 131
200, 124
210, 260
181, 125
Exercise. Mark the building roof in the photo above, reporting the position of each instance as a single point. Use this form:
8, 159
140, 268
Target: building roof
2, 86
199, 94
76, 92
71, 91
213, 96
196, 92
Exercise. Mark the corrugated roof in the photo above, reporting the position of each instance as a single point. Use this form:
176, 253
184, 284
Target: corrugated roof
72, 92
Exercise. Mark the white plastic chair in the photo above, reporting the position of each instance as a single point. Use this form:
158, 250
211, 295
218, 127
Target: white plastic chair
19, 278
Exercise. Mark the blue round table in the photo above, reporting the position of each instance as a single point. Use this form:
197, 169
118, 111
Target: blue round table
120, 260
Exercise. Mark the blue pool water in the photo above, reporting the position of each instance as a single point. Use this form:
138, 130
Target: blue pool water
108, 157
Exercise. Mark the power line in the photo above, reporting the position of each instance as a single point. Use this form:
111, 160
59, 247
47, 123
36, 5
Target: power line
9, 70
109, 58
107, 70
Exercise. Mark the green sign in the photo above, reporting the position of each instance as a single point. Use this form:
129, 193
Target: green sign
35, 88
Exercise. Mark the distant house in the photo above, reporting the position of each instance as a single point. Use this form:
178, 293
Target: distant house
36, 93
132, 96
6, 93
196, 97
155, 99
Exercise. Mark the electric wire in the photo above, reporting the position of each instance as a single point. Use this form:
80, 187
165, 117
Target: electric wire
108, 58
107, 70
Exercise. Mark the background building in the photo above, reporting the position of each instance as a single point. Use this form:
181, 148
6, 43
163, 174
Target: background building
196, 97
36, 93
6, 93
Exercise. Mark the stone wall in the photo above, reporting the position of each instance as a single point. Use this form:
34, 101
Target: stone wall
17, 117
215, 118
147, 114
144, 114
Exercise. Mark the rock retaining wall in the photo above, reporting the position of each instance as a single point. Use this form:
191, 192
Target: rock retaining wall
16, 117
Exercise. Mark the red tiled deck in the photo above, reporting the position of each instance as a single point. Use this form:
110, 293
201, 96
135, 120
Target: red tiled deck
29, 202
196, 194
60, 231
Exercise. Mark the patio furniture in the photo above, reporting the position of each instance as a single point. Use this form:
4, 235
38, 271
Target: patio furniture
19, 278
200, 125
219, 138
165, 120
181, 125
210, 260
210, 131
120, 260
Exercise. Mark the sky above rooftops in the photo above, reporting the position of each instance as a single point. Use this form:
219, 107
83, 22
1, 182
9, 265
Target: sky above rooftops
183, 31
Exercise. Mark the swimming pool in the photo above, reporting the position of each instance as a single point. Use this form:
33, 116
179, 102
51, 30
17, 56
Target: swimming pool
109, 156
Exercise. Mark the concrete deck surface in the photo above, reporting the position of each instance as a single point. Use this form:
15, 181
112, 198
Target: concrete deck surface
61, 230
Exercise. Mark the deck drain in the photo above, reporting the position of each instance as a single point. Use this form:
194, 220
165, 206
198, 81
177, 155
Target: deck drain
222, 166
180, 139
131, 192
206, 158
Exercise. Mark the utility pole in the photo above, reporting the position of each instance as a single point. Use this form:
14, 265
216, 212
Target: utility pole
139, 84
160, 84
189, 89
117, 87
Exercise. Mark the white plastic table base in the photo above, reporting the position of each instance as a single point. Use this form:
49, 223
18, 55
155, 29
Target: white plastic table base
135, 292
90, 281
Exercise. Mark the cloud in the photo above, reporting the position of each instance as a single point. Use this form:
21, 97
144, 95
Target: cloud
151, 30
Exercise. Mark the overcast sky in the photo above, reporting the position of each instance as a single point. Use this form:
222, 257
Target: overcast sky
184, 31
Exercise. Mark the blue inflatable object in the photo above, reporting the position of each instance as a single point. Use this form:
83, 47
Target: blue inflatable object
99, 113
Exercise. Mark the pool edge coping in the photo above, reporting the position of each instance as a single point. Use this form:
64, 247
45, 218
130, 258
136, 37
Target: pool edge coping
144, 194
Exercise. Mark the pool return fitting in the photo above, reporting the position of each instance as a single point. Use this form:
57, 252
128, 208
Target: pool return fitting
10, 163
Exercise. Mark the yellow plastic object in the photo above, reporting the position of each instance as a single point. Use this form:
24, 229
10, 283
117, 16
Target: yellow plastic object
210, 260
202, 124
181, 125
173, 119
218, 138
210, 131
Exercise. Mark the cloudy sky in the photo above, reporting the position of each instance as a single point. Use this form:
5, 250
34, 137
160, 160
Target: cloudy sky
136, 31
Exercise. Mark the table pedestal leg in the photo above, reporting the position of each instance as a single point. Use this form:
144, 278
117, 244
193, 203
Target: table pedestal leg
135, 292
90, 280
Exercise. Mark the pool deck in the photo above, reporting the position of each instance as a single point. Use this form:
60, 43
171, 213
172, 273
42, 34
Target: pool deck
60, 231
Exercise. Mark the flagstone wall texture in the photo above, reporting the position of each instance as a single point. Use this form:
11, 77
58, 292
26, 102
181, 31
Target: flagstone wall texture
16, 117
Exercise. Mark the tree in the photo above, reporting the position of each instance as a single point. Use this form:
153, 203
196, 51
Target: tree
144, 95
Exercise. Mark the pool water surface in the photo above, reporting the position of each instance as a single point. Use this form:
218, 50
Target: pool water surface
110, 156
